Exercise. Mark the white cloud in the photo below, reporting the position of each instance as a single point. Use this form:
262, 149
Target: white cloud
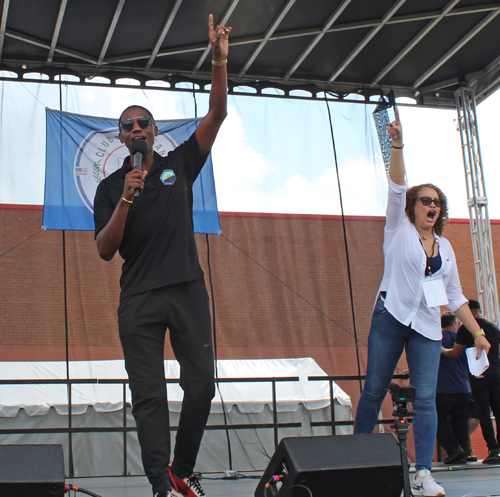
248, 182
239, 169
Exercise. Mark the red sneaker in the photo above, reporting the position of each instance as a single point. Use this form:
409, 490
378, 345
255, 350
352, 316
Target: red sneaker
185, 487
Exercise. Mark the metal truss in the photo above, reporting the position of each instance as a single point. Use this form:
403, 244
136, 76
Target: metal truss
478, 204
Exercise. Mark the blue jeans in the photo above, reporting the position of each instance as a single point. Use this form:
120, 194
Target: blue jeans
388, 337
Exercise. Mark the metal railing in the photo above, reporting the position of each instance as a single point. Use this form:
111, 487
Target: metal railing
70, 430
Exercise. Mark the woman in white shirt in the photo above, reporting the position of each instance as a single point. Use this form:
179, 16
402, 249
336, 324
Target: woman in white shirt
420, 275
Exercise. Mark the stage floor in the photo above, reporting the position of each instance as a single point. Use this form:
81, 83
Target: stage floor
471, 480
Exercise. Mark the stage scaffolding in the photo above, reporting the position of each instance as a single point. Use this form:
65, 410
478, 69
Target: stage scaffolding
477, 202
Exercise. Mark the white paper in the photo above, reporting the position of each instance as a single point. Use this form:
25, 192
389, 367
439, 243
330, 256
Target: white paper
477, 366
434, 291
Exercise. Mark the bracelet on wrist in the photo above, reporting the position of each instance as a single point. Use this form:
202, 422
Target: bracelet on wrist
398, 148
219, 63
479, 333
127, 200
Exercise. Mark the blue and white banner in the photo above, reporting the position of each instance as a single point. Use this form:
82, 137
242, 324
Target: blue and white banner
81, 151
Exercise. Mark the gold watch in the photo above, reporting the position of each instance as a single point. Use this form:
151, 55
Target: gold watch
479, 333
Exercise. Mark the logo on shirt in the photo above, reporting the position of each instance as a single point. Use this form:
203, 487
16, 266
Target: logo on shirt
167, 177
101, 154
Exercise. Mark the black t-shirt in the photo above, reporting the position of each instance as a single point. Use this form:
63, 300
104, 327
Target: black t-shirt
492, 335
158, 245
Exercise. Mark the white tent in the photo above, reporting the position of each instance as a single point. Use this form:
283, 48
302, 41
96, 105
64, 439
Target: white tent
100, 405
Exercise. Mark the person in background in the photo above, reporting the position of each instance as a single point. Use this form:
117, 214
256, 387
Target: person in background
420, 274
452, 396
473, 426
486, 387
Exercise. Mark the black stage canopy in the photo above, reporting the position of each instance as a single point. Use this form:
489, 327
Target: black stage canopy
424, 49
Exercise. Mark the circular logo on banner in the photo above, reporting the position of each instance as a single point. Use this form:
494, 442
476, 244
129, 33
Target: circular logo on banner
100, 154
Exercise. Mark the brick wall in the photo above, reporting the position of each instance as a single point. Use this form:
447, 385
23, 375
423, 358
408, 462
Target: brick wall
280, 283
281, 287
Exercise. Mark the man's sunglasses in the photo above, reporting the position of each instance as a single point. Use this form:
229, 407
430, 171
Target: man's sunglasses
429, 200
143, 123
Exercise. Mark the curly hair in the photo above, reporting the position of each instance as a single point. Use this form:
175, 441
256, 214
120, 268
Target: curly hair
411, 199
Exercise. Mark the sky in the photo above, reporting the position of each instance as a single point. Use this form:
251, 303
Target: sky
271, 155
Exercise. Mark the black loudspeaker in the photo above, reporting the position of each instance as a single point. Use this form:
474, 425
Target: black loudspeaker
31, 470
334, 466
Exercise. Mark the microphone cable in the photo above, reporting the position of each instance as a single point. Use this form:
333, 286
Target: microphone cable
68, 487
349, 274
214, 332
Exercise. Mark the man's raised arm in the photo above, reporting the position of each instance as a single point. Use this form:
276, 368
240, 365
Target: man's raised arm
217, 111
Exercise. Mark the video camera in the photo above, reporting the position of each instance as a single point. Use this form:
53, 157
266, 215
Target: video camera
401, 393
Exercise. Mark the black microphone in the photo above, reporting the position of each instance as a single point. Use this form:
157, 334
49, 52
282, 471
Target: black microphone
138, 150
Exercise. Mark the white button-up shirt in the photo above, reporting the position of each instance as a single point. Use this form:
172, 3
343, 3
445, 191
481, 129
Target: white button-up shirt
404, 270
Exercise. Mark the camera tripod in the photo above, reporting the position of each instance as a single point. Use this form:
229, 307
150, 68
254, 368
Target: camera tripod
402, 420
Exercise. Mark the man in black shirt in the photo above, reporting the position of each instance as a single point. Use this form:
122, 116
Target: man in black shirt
486, 387
162, 283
